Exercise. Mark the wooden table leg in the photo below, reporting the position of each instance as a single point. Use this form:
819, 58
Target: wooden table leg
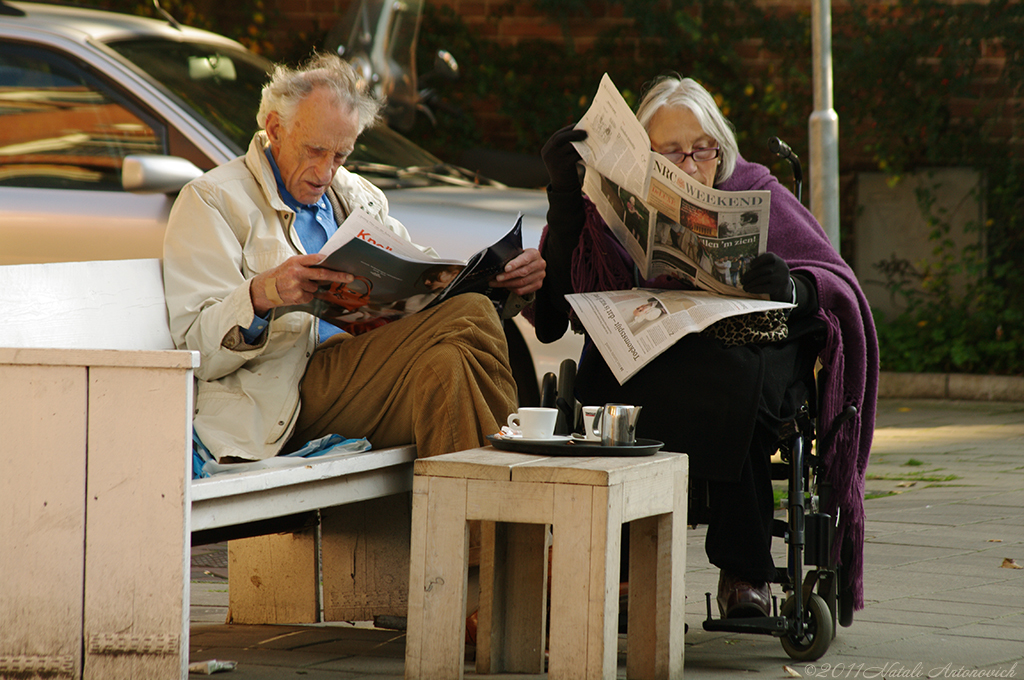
584, 587
513, 599
657, 592
436, 635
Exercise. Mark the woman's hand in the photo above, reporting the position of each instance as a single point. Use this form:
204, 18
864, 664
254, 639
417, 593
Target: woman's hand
524, 274
560, 158
768, 273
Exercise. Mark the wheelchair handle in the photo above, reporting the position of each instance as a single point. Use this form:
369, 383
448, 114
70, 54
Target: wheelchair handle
849, 412
781, 149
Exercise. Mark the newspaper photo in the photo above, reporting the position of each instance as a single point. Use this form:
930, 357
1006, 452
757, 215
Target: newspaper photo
632, 327
668, 222
394, 278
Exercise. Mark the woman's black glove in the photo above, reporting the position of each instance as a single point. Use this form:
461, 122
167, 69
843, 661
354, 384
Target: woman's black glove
560, 157
769, 273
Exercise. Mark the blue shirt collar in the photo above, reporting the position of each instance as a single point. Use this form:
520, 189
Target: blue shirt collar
286, 196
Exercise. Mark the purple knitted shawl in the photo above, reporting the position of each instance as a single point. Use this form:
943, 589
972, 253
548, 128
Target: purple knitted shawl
850, 356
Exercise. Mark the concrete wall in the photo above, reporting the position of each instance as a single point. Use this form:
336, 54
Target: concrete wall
889, 222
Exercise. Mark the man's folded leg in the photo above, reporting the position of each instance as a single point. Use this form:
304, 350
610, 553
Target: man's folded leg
439, 378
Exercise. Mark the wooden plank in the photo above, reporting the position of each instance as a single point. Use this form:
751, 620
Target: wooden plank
311, 470
117, 304
672, 531
365, 563
510, 502
570, 582
98, 357
652, 494
597, 471
642, 627
136, 548
602, 620
526, 594
437, 631
42, 518
482, 463
325, 490
490, 629
274, 579
414, 632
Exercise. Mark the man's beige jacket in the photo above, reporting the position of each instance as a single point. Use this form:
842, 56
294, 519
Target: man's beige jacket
225, 228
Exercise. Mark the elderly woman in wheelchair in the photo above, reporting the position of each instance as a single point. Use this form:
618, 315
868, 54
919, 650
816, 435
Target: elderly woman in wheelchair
726, 402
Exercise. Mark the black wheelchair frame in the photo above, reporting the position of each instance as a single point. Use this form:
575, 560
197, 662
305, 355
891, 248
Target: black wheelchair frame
806, 624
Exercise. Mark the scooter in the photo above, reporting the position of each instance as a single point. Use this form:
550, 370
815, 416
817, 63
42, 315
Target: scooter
378, 37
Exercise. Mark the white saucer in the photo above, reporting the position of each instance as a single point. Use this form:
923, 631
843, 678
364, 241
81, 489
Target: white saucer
520, 438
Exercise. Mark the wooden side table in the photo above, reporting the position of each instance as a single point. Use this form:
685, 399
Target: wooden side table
584, 501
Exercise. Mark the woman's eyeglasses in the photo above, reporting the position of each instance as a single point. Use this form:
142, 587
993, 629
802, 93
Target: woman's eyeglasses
698, 155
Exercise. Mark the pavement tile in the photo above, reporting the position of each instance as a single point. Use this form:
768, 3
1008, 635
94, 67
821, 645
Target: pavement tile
973, 538
1008, 593
888, 555
883, 586
937, 649
970, 566
257, 656
880, 613
1006, 630
366, 664
977, 612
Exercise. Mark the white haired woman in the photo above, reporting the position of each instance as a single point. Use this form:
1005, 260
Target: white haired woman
722, 403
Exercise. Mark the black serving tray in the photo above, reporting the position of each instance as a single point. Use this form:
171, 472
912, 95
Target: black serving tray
574, 447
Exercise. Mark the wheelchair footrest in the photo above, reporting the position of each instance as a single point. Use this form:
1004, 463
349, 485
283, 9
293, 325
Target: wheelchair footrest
764, 625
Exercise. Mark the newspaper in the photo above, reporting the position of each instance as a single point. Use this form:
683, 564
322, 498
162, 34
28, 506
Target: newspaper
394, 278
668, 222
632, 327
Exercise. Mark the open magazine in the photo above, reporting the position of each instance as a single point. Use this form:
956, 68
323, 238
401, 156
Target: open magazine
394, 278
670, 224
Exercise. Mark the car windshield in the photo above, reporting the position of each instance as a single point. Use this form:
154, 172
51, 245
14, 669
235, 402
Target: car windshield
222, 86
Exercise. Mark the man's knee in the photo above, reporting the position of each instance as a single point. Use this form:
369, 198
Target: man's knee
475, 309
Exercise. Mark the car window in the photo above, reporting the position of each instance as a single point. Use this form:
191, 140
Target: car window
60, 128
383, 145
221, 86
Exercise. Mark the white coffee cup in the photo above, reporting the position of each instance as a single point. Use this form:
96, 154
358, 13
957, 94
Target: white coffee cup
534, 422
589, 413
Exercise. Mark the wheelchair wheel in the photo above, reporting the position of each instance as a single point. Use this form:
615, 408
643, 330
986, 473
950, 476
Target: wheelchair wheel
817, 636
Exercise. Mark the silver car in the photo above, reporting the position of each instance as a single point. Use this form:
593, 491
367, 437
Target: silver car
103, 117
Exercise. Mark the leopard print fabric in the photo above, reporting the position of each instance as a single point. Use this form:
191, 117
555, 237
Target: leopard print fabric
757, 328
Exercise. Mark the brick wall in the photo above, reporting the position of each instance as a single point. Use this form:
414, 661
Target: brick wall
307, 22
505, 21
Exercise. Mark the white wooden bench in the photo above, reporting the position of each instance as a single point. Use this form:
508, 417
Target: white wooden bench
98, 509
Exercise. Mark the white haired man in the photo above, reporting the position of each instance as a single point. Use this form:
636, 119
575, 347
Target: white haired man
242, 241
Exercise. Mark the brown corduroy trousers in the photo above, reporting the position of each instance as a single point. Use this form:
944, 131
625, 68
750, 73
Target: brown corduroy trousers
439, 379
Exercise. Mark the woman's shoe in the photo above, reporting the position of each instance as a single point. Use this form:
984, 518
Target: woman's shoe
742, 599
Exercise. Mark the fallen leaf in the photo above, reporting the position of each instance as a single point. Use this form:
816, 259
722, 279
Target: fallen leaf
905, 485
1010, 563
995, 540
792, 672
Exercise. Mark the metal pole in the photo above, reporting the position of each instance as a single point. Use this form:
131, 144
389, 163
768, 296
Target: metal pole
824, 126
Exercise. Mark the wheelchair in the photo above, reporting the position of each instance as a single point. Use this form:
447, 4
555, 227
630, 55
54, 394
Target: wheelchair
816, 599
